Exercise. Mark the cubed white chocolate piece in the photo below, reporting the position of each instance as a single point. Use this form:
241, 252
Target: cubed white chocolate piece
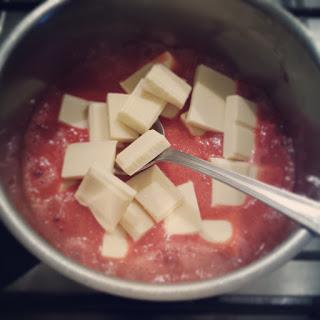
194, 131
131, 82
170, 111
96, 182
141, 109
98, 122
221, 193
142, 151
185, 219
115, 244
216, 231
118, 130
136, 221
238, 142
207, 106
109, 206
156, 193
166, 85
106, 196
92, 184
74, 111
79, 157
241, 111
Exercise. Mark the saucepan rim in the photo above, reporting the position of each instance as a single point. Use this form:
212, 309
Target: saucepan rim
138, 290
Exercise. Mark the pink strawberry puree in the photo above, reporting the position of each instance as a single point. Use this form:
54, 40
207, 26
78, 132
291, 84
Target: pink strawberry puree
72, 229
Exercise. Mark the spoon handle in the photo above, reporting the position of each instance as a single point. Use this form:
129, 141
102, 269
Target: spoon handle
299, 208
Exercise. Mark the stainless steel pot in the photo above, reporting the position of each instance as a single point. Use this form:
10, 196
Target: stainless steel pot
264, 44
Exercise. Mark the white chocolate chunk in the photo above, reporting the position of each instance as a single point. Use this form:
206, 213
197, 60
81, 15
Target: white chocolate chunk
79, 157
118, 130
221, 193
74, 111
96, 182
185, 219
136, 221
216, 231
156, 193
106, 196
194, 131
142, 151
115, 244
109, 206
93, 183
170, 111
207, 106
238, 142
141, 109
157, 200
98, 122
66, 184
241, 111
163, 83
131, 82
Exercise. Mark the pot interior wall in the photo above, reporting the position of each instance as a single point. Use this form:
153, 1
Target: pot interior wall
258, 46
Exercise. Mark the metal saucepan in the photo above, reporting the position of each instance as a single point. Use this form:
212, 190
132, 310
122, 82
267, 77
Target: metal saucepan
263, 42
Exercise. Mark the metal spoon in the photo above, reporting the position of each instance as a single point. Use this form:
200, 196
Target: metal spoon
299, 208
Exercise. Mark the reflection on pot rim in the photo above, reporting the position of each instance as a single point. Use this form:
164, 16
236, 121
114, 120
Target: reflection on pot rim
132, 289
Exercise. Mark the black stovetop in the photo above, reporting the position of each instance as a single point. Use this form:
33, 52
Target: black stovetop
34, 291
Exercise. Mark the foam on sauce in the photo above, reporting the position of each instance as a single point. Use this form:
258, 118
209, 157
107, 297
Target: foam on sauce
73, 230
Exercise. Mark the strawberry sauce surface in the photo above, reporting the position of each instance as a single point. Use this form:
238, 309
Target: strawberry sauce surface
72, 229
